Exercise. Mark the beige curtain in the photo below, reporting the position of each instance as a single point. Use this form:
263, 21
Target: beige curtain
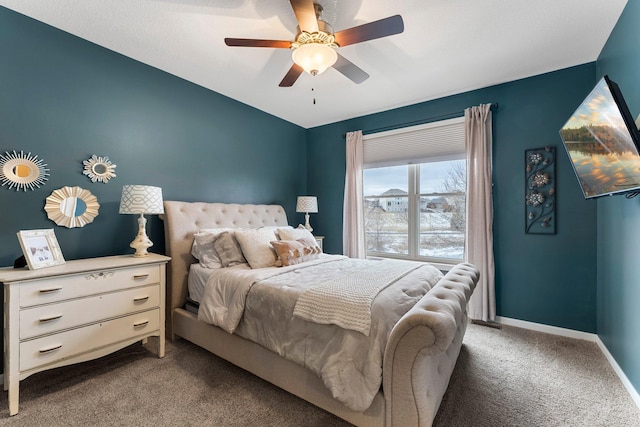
479, 250
353, 243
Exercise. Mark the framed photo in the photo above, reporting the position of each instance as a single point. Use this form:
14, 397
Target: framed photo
40, 248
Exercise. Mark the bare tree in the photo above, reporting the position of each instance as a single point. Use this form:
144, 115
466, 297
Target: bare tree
455, 180
375, 223
385, 231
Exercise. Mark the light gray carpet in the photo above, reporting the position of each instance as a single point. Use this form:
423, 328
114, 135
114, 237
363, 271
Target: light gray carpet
508, 377
518, 377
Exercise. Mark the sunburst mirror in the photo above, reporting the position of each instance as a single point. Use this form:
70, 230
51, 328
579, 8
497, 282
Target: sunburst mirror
72, 207
22, 171
99, 169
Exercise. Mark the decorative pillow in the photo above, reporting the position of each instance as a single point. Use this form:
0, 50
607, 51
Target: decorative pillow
203, 250
228, 249
291, 252
311, 245
297, 233
275, 229
256, 246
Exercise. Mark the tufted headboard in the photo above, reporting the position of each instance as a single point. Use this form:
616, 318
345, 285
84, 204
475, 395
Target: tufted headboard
183, 219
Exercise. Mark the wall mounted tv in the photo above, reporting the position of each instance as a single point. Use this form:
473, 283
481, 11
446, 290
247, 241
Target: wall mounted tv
603, 143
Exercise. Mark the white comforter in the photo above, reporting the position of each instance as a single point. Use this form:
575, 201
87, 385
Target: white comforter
259, 305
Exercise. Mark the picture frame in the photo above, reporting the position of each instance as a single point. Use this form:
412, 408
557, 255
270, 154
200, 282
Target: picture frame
40, 248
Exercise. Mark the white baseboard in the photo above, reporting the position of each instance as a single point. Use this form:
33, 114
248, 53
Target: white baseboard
570, 333
625, 381
554, 330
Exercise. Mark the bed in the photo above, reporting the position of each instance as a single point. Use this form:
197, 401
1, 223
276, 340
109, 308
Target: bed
419, 353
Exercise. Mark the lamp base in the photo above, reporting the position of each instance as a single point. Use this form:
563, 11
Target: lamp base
306, 222
142, 242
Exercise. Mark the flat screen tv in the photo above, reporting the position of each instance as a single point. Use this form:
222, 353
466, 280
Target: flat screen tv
603, 143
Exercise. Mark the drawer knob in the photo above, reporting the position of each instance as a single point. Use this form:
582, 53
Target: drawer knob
50, 290
141, 299
100, 275
140, 276
141, 324
50, 319
50, 349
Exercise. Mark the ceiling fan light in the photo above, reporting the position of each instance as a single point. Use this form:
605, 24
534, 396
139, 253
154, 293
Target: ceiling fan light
314, 58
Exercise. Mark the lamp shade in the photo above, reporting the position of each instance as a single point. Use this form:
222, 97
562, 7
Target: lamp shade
141, 199
307, 204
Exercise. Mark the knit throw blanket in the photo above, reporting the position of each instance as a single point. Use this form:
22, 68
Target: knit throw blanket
346, 302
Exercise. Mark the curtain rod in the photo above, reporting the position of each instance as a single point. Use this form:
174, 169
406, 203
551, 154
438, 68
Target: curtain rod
494, 106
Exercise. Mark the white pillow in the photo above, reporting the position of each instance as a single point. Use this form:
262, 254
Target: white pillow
295, 233
256, 246
203, 249
275, 229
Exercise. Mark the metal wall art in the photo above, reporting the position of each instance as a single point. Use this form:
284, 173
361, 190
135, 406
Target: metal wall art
22, 171
540, 188
99, 169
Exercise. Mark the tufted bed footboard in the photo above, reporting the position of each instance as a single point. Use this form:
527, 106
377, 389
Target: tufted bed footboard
423, 348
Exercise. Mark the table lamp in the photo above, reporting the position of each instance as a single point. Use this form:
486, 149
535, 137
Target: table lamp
141, 199
307, 204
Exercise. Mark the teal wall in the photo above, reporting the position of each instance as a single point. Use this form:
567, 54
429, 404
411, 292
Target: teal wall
618, 284
65, 99
549, 279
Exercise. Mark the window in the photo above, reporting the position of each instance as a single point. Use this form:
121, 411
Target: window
416, 209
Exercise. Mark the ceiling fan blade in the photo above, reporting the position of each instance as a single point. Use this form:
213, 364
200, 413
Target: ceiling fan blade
373, 30
306, 15
291, 76
257, 43
350, 70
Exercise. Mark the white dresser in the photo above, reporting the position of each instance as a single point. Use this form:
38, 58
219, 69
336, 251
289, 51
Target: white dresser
78, 311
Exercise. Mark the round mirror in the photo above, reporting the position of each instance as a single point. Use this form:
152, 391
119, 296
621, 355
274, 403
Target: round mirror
22, 171
99, 169
72, 207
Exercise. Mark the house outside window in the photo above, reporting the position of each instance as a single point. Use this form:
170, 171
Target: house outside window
415, 202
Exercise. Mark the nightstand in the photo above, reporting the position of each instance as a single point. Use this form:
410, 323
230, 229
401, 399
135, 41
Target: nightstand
78, 311
319, 240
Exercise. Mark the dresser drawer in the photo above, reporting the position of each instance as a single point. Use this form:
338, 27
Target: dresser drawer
50, 318
53, 348
90, 283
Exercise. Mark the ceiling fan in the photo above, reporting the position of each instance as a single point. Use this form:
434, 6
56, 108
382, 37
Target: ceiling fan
314, 48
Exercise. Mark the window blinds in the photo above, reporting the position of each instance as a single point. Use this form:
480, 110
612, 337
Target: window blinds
437, 141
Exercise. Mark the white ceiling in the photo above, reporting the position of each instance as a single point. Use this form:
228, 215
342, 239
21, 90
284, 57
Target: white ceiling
448, 46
